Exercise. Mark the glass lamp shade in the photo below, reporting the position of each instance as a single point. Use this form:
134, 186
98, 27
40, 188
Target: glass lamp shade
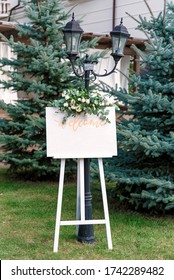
119, 37
72, 36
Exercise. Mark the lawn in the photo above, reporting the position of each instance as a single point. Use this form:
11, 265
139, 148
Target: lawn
27, 219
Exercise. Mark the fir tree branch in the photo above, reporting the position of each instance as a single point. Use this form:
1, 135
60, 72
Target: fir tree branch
123, 74
141, 53
38, 5
133, 17
145, 32
68, 13
150, 10
4, 39
164, 10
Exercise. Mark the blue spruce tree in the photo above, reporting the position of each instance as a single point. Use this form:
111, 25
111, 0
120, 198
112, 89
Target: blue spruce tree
42, 72
144, 168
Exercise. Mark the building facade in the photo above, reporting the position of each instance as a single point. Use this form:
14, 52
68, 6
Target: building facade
98, 17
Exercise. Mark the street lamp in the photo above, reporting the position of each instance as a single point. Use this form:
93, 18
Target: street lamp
72, 37
119, 37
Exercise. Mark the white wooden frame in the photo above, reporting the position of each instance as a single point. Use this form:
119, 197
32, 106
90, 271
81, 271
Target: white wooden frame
81, 201
83, 136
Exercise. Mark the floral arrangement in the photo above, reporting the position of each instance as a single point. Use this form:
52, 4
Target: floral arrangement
74, 102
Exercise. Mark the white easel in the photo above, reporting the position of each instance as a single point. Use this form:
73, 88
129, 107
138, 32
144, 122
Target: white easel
72, 141
81, 201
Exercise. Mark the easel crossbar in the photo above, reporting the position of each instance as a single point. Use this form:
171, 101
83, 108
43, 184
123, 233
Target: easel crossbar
85, 222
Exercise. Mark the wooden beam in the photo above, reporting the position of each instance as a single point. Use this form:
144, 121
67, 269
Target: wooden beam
104, 41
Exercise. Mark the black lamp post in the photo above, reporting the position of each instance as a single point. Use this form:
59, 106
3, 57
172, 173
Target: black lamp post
72, 36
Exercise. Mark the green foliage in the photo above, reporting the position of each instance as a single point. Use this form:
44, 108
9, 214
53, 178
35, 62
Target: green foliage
42, 72
74, 102
144, 168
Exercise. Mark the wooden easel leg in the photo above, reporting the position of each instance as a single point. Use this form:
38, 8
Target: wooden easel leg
105, 203
80, 206
59, 206
78, 196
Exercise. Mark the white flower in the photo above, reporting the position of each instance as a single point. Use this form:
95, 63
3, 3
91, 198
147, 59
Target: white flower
94, 94
65, 104
87, 101
67, 97
78, 109
73, 102
83, 99
73, 107
79, 99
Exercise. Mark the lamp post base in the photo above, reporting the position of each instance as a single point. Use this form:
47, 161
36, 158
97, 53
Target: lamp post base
86, 234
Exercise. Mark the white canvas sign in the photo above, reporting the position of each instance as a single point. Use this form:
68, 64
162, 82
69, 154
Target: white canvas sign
83, 136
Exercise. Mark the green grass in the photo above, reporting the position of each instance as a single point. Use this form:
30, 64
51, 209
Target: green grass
27, 220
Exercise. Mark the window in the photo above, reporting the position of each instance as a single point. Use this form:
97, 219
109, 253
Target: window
4, 7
